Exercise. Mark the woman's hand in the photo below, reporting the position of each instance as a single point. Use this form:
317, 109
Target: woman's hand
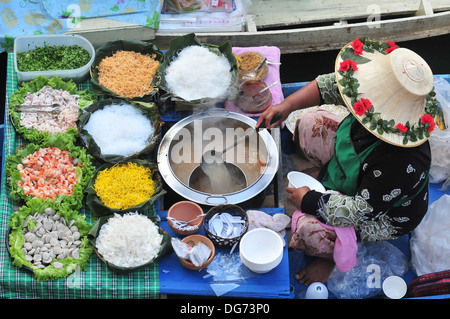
268, 115
296, 195
307, 96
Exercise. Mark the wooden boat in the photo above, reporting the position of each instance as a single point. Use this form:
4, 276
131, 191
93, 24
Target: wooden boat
302, 26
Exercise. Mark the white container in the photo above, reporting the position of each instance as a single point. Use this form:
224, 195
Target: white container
299, 179
316, 290
27, 43
261, 250
394, 287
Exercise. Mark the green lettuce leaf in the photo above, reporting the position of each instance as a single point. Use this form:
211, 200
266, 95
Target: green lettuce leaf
16, 240
63, 142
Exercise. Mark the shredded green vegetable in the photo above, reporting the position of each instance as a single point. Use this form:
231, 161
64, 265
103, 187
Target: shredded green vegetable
48, 57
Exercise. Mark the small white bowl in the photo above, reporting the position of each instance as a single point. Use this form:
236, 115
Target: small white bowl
299, 179
394, 287
261, 250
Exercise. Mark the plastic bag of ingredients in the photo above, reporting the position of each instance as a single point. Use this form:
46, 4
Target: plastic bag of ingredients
186, 6
376, 262
440, 139
430, 241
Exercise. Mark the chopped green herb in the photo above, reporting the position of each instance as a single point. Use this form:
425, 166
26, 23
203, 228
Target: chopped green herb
50, 57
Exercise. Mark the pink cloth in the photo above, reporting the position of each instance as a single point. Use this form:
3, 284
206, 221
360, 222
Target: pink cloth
345, 248
314, 133
272, 54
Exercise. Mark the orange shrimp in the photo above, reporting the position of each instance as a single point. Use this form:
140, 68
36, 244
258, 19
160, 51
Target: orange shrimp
47, 172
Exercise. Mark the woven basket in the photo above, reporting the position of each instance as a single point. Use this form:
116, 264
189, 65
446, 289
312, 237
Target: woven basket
233, 210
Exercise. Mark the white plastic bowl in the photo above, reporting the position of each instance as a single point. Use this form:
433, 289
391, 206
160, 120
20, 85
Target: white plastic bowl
394, 287
261, 250
299, 179
27, 43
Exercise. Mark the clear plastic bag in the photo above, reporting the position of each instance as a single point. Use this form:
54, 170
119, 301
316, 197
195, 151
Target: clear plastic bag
186, 6
430, 241
376, 262
227, 272
439, 140
203, 21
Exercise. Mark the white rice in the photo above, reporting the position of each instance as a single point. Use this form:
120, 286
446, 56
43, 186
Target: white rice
199, 73
119, 129
129, 240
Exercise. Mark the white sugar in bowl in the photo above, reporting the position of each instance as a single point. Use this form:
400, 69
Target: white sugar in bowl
261, 250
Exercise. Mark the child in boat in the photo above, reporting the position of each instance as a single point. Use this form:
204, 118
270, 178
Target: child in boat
374, 163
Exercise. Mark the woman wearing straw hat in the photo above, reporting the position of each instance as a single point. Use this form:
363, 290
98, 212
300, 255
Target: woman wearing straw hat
374, 163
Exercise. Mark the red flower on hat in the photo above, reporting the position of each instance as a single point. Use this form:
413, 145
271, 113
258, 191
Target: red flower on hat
362, 106
359, 108
401, 127
428, 119
357, 47
367, 103
347, 64
392, 47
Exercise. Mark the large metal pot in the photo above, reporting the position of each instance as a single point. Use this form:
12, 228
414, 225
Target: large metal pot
181, 149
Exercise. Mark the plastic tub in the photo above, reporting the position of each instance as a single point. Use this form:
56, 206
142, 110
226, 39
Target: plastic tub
26, 43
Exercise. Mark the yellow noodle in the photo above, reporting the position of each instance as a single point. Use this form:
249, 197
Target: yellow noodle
124, 185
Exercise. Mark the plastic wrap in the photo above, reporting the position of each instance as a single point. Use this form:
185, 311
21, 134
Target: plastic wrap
233, 18
430, 241
376, 262
185, 6
227, 272
439, 140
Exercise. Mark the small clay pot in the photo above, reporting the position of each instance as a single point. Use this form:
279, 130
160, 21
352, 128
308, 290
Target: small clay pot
185, 211
191, 241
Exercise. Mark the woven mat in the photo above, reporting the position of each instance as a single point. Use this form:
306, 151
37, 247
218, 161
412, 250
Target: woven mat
98, 282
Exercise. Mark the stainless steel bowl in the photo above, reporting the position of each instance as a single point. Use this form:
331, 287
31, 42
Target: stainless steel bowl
194, 134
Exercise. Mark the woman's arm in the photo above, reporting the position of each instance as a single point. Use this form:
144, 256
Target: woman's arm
387, 177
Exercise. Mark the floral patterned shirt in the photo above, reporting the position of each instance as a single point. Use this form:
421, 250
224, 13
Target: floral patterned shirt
388, 174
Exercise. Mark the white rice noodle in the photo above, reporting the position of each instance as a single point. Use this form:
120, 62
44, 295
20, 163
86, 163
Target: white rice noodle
119, 129
199, 73
129, 240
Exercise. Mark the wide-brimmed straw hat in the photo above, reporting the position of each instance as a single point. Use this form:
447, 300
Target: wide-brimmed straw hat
389, 90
